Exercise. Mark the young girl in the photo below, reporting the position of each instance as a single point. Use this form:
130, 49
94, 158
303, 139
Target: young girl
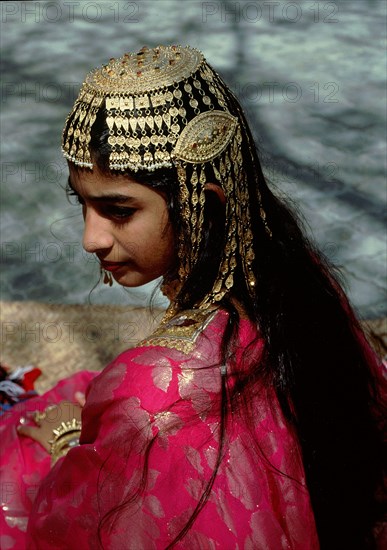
251, 417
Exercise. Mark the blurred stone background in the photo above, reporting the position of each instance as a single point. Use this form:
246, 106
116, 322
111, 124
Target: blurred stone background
310, 75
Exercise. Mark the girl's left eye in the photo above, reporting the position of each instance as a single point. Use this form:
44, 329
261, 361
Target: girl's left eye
119, 213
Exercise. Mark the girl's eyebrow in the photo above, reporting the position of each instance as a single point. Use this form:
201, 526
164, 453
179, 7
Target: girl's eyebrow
117, 198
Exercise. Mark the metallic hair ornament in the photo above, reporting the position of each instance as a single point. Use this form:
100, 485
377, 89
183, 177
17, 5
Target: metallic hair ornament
166, 107
145, 113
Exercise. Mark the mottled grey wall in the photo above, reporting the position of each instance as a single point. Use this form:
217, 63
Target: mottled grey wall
310, 75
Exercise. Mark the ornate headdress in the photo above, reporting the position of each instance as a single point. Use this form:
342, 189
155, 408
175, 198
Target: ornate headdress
167, 107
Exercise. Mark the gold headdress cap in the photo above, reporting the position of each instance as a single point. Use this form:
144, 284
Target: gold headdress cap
166, 107
142, 94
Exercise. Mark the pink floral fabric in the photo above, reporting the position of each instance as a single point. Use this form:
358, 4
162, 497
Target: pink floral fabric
149, 446
24, 463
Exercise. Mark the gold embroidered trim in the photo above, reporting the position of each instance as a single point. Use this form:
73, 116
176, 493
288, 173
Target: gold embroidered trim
182, 331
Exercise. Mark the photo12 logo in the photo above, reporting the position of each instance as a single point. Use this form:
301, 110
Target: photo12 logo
54, 12
271, 11
288, 92
70, 332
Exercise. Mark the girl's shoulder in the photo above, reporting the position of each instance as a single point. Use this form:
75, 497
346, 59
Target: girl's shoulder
189, 341
180, 358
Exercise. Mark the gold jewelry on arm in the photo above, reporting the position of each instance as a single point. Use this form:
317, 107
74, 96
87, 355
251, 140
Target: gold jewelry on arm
65, 437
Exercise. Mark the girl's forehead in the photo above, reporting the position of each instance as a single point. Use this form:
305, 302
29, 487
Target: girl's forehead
94, 184
99, 180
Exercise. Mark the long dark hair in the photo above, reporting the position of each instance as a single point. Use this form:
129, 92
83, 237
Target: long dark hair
315, 353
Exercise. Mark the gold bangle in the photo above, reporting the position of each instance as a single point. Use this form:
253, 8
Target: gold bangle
64, 438
63, 445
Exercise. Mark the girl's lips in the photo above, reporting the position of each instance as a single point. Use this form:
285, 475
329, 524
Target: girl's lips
112, 266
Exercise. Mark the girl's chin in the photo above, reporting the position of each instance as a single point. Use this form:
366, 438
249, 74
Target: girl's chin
131, 280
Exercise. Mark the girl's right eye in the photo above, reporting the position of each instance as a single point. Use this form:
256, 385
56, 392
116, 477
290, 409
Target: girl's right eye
73, 197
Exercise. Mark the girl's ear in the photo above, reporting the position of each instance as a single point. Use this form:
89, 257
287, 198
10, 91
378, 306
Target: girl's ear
217, 190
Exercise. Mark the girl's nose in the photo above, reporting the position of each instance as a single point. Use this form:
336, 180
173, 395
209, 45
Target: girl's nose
96, 233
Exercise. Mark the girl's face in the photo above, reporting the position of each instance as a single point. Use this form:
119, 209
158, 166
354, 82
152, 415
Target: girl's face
126, 226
